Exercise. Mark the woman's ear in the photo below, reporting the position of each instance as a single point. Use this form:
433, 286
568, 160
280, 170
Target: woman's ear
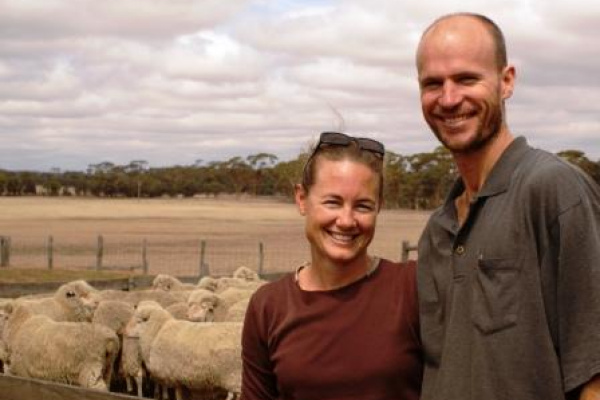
300, 197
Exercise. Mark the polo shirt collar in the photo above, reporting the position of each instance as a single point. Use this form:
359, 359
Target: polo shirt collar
499, 178
496, 183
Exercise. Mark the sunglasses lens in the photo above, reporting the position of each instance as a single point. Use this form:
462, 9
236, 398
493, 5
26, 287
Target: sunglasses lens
341, 139
335, 138
371, 145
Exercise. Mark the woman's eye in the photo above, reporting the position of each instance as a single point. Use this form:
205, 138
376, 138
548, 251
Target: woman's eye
365, 207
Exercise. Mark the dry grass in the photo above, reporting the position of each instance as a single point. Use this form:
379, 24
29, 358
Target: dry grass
229, 226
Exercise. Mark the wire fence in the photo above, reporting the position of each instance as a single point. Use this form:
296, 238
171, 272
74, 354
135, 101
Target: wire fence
179, 256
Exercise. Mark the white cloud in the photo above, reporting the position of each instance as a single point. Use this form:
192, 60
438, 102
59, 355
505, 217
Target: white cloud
171, 81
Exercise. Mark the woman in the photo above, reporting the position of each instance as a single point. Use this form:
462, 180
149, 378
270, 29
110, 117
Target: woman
345, 325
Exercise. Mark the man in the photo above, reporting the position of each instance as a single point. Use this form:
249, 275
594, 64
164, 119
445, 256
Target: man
509, 266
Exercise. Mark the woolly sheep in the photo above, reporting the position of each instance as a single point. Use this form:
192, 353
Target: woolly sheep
73, 301
237, 311
178, 310
185, 354
76, 353
201, 306
246, 274
168, 283
114, 314
132, 357
232, 295
227, 282
134, 297
6, 308
208, 283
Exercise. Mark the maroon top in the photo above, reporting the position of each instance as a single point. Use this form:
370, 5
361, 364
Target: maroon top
357, 342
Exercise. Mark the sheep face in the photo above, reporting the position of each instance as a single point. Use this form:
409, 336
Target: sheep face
146, 317
246, 274
202, 305
165, 282
208, 283
80, 298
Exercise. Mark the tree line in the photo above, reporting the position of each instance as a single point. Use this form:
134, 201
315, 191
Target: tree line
417, 181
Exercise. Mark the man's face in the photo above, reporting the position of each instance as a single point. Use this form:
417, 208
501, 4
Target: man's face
462, 88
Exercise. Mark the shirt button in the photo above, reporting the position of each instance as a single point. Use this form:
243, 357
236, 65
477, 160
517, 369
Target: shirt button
460, 250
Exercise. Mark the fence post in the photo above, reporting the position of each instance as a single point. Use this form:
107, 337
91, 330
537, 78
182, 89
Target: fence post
99, 252
50, 249
8, 241
2, 251
145, 256
261, 258
406, 249
203, 266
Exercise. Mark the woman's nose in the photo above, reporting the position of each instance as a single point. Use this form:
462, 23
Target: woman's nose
346, 218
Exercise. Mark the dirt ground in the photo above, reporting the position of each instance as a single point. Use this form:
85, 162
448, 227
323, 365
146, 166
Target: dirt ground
174, 230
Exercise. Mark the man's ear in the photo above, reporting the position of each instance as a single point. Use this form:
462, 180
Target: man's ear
300, 197
509, 76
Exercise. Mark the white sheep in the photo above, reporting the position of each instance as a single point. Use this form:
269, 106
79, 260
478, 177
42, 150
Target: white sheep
184, 354
73, 301
178, 310
232, 295
226, 282
114, 314
237, 311
202, 306
132, 357
134, 297
168, 283
76, 353
246, 274
208, 283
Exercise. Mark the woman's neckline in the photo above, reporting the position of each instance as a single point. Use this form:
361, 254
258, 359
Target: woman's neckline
374, 264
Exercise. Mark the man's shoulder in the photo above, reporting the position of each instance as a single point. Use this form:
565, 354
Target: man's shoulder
544, 169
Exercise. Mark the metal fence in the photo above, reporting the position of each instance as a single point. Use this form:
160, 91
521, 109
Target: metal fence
178, 256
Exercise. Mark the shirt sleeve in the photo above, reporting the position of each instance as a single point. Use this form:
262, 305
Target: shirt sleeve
258, 378
576, 237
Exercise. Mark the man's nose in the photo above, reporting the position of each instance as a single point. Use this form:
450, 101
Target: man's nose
451, 95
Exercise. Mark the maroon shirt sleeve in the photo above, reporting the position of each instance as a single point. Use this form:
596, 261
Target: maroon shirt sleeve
258, 380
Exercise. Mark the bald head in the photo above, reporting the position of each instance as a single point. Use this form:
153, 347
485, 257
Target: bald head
471, 24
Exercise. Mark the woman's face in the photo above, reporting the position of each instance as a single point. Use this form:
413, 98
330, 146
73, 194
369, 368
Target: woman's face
341, 210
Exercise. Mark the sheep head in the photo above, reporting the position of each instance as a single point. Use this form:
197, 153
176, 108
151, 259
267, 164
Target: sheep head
208, 283
147, 318
165, 282
79, 299
201, 305
246, 274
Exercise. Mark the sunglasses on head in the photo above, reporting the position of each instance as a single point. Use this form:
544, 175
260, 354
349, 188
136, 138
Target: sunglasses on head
341, 139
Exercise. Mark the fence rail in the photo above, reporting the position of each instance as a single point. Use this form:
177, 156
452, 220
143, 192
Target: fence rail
177, 256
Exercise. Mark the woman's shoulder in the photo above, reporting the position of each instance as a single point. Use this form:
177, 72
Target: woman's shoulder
274, 289
398, 267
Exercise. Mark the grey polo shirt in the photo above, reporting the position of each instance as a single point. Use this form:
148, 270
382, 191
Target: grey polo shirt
510, 302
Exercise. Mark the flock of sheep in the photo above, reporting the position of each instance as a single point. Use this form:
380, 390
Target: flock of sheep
174, 337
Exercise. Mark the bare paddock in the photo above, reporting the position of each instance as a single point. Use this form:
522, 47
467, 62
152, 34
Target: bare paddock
174, 235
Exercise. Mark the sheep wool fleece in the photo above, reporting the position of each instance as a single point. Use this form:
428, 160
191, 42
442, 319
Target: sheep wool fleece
510, 300
357, 342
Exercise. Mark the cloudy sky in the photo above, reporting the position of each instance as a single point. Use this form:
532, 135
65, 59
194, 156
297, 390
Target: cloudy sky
175, 81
